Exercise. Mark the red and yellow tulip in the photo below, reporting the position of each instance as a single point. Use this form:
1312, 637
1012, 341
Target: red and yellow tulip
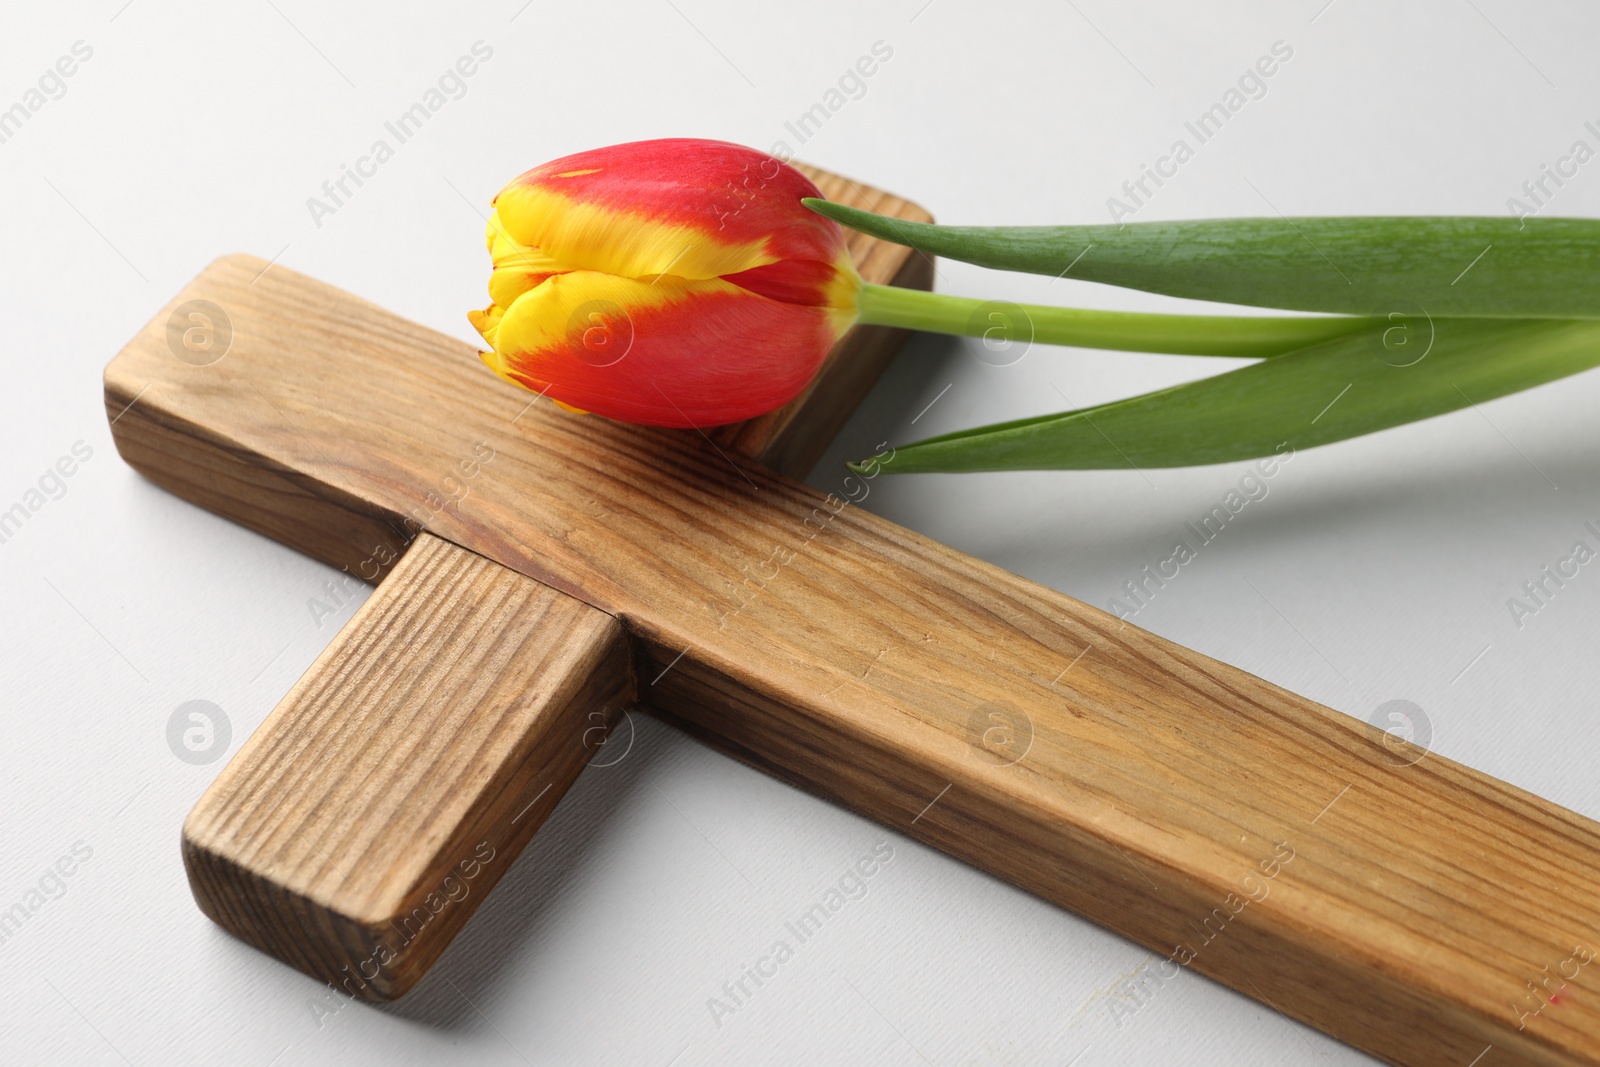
673, 283
692, 283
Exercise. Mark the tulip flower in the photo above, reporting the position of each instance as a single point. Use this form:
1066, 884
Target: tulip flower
672, 283
690, 283
685, 283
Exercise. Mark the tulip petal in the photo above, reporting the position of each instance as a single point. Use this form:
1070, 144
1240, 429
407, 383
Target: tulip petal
659, 353
487, 322
517, 268
628, 243
689, 208
804, 281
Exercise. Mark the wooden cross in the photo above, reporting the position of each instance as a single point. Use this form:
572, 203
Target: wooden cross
540, 571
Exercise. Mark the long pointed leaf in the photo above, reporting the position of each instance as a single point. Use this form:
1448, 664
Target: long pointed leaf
1435, 265
1326, 393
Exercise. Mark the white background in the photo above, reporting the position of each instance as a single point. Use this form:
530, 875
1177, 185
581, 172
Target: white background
1375, 570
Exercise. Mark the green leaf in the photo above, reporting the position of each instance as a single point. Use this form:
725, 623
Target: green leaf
1330, 392
1436, 265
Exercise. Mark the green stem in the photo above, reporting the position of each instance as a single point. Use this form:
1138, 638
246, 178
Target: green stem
1248, 336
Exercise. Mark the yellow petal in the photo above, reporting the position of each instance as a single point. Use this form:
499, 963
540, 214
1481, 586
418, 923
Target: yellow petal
517, 267
487, 322
546, 317
517, 273
492, 229
630, 244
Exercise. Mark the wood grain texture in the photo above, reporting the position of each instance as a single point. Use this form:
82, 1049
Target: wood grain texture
364, 822
362, 877
345, 531
1415, 910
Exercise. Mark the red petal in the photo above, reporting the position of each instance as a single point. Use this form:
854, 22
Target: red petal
730, 193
